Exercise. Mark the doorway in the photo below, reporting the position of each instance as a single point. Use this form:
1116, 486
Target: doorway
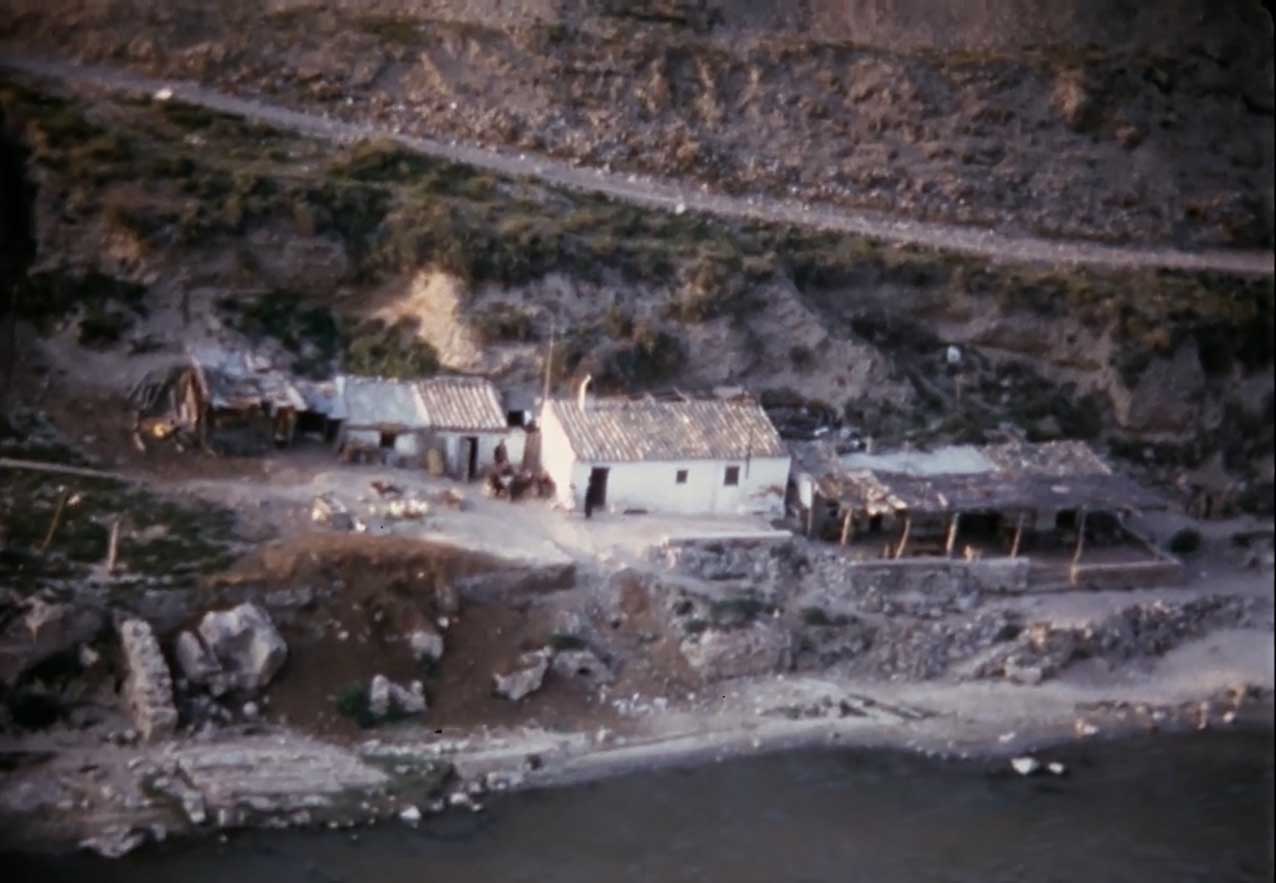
596, 493
469, 450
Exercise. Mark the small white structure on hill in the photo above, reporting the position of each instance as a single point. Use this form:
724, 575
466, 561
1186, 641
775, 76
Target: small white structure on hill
382, 415
460, 417
689, 457
466, 422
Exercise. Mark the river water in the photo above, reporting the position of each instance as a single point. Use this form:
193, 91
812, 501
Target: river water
1148, 810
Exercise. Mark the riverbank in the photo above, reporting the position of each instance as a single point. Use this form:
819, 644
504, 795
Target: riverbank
1116, 813
277, 778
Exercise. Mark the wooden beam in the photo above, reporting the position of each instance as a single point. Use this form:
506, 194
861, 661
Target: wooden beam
59, 469
113, 548
1076, 556
1014, 547
903, 540
951, 541
847, 527
57, 519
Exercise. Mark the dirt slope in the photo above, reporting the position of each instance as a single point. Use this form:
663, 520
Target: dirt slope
1145, 124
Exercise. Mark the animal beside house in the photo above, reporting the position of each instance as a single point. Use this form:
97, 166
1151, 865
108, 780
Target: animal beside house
695, 457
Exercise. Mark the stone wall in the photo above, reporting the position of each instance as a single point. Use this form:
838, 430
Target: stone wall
148, 689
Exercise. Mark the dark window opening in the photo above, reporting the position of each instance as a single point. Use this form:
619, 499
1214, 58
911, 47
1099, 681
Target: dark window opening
1066, 520
387, 439
513, 418
875, 524
681, 477
732, 477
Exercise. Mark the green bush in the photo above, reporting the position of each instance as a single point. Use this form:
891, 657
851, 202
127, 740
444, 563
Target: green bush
503, 322
376, 349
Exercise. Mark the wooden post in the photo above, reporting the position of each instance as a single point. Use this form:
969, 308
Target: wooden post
113, 547
847, 530
952, 535
903, 540
810, 516
1076, 556
57, 519
1014, 547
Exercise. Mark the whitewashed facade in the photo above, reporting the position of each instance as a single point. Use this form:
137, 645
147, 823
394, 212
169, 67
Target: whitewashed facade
692, 458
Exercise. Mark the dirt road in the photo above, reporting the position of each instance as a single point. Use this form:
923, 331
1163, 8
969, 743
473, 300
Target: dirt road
662, 193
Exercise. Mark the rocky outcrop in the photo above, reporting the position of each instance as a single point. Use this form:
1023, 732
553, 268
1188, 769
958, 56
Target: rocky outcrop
148, 689
1141, 630
386, 698
245, 645
526, 678
760, 648
39, 630
427, 645
582, 667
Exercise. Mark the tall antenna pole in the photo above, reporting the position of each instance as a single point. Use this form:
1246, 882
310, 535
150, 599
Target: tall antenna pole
549, 360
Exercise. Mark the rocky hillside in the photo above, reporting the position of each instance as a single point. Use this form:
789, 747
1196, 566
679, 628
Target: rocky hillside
1140, 122
159, 223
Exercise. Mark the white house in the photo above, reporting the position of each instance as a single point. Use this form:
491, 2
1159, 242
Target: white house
465, 420
384, 415
689, 457
460, 417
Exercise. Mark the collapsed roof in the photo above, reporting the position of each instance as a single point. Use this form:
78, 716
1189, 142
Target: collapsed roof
1017, 475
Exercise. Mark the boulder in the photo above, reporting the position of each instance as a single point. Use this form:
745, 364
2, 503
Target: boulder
386, 697
526, 678
426, 645
761, 648
148, 689
1025, 766
194, 661
246, 644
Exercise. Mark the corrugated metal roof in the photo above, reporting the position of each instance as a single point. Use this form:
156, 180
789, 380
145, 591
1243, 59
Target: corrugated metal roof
374, 401
618, 431
238, 379
322, 396
462, 403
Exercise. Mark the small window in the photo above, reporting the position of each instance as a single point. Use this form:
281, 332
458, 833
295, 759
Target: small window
387, 439
514, 418
680, 477
733, 476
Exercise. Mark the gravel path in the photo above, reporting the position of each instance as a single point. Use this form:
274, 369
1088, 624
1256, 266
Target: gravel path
665, 193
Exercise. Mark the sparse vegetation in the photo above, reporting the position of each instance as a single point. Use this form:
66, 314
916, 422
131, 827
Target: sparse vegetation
375, 348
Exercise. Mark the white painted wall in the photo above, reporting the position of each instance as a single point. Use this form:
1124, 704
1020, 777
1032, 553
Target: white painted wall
558, 461
653, 486
454, 449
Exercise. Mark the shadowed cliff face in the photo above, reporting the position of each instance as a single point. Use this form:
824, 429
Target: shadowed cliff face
17, 244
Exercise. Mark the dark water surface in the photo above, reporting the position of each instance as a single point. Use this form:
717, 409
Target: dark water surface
1150, 810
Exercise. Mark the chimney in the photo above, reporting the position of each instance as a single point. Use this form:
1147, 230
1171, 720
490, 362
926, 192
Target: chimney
584, 387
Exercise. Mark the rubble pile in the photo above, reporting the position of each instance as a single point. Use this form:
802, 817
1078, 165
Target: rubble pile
763, 647
526, 678
1141, 630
